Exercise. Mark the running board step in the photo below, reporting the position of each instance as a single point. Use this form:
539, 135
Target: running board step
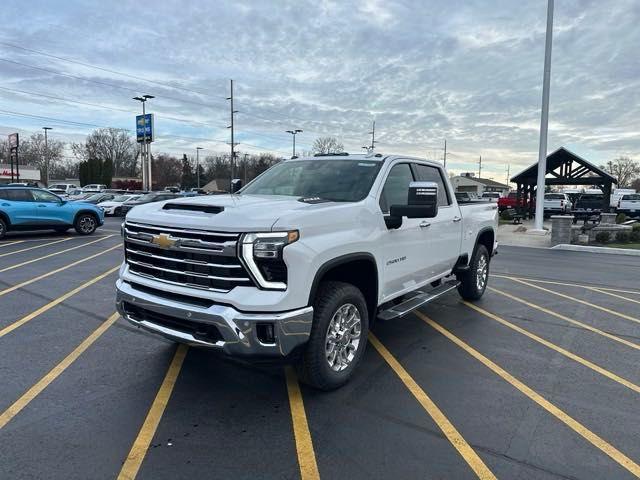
421, 298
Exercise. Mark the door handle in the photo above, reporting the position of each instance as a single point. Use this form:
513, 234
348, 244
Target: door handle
424, 224
456, 219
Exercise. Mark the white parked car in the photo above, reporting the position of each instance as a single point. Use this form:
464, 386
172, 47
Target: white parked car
94, 187
630, 205
114, 207
556, 203
491, 196
62, 188
300, 261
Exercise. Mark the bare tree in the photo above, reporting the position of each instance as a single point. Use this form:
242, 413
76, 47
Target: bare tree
624, 169
327, 145
110, 144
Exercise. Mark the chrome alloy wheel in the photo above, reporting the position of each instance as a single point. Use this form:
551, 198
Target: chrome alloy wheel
343, 337
87, 224
482, 272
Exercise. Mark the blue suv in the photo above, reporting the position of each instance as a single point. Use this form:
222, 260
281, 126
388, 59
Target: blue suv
23, 208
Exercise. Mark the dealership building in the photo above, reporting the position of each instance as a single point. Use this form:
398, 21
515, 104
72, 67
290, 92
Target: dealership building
468, 182
27, 174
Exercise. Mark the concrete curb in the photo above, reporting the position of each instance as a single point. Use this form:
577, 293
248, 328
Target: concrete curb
607, 250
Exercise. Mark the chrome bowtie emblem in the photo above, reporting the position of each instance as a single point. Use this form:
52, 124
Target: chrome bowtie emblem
164, 241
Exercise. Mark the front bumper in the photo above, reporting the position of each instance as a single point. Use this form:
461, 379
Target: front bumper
219, 327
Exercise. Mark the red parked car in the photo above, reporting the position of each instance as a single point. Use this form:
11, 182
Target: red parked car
510, 201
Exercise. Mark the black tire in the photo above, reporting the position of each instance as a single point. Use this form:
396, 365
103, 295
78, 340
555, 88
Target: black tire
471, 287
3, 228
314, 368
85, 224
62, 229
117, 212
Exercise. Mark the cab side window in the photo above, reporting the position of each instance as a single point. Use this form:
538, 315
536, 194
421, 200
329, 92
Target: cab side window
427, 173
45, 197
396, 187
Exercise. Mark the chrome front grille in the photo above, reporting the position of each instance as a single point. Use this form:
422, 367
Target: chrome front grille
193, 258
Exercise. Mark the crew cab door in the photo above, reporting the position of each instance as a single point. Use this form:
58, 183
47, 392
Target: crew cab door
404, 250
445, 230
18, 204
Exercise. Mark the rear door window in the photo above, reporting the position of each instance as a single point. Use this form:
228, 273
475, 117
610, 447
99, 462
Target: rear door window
17, 195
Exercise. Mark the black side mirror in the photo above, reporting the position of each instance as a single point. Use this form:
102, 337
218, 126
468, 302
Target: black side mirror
236, 184
422, 202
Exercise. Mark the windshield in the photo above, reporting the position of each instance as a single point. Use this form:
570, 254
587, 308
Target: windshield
123, 198
335, 180
149, 197
96, 196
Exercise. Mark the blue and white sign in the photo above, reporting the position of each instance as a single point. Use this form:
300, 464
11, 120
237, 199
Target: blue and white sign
144, 123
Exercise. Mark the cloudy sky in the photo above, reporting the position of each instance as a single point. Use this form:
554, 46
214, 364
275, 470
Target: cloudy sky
469, 71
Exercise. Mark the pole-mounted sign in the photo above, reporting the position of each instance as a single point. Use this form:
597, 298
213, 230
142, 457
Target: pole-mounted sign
14, 143
144, 128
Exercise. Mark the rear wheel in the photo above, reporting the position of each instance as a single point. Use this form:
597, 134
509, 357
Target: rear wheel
473, 282
338, 336
85, 224
3, 228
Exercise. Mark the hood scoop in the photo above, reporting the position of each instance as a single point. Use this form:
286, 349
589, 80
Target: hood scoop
313, 200
193, 208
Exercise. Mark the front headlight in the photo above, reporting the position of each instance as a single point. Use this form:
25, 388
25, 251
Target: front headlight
263, 256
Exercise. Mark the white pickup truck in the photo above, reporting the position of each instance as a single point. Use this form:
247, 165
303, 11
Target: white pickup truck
300, 262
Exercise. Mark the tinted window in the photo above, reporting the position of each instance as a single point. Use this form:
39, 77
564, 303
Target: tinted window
42, 196
554, 196
16, 195
631, 197
433, 174
396, 187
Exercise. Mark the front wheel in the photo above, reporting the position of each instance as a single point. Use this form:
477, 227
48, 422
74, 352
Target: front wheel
473, 282
338, 336
85, 224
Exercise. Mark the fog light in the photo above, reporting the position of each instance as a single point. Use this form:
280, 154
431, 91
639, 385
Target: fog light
265, 333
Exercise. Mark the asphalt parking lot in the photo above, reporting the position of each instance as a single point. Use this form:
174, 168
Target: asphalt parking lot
538, 380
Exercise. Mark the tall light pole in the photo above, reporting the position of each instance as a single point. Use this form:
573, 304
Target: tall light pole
373, 136
198, 164
294, 133
46, 154
544, 122
147, 183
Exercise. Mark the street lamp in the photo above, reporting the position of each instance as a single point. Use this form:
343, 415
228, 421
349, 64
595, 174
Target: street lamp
198, 164
145, 158
46, 154
294, 133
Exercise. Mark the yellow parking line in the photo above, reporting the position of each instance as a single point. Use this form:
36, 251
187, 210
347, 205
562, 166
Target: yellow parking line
583, 302
53, 254
33, 248
44, 382
301, 433
567, 319
57, 270
550, 282
565, 418
452, 434
18, 323
6, 244
560, 350
143, 440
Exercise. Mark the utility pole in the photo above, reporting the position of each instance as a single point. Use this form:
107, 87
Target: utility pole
373, 136
198, 164
294, 133
480, 167
544, 121
233, 145
46, 154
445, 154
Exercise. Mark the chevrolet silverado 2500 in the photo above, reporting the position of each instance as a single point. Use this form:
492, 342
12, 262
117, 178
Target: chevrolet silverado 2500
301, 261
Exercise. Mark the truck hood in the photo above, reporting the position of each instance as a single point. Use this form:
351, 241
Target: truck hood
237, 213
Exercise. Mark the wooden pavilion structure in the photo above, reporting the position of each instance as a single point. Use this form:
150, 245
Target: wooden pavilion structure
563, 168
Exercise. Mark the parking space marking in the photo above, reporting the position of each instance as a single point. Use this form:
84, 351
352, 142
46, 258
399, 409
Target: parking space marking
614, 295
33, 248
302, 435
18, 323
44, 382
583, 302
452, 434
552, 282
564, 417
6, 244
560, 350
147, 431
57, 270
597, 331
54, 254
